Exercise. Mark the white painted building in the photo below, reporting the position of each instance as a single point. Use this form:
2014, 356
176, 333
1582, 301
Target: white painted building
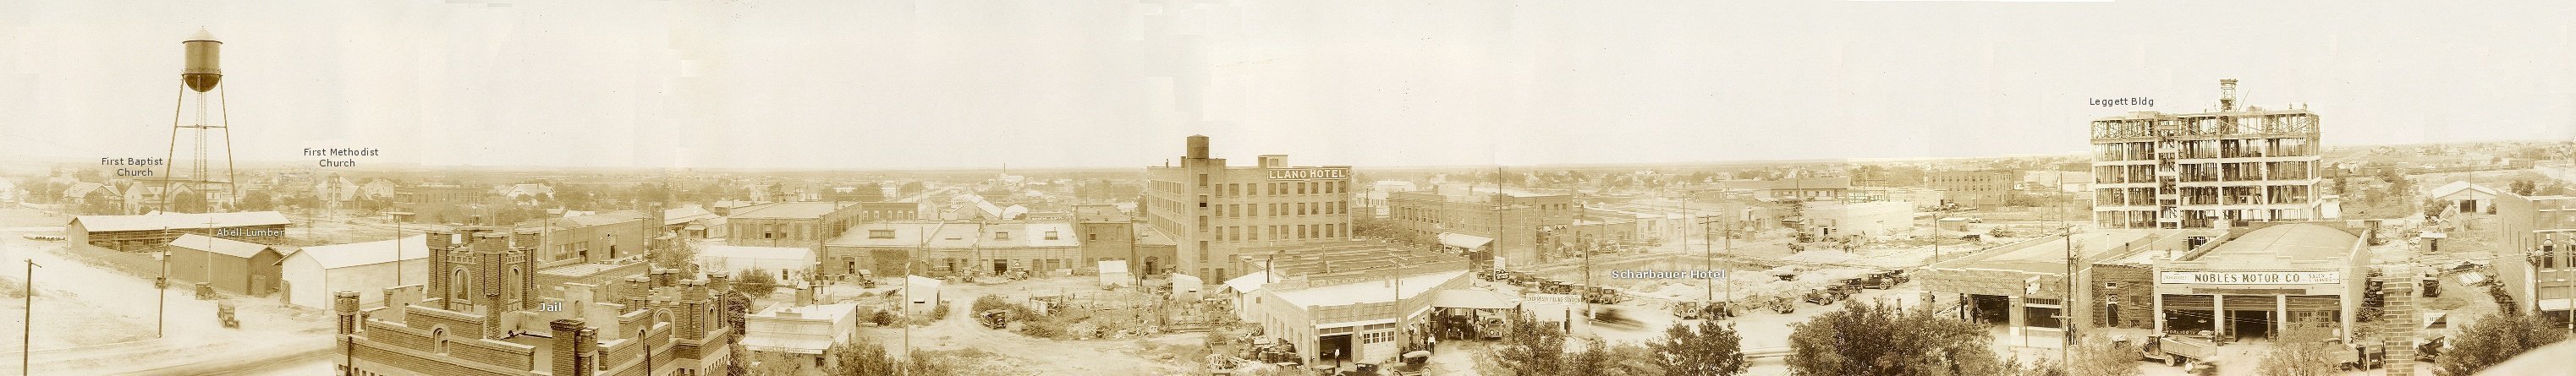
313, 273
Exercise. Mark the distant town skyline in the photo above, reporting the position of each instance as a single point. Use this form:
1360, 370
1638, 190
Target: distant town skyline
977, 85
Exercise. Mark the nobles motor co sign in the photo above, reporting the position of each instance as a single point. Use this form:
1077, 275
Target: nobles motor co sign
2250, 278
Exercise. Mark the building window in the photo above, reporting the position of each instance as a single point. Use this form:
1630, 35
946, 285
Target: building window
1203, 180
1050, 235
1094, 237
880, 234
1001, 235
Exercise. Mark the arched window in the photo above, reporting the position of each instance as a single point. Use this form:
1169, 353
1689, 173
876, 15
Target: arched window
456, 285
510, 286
438, 339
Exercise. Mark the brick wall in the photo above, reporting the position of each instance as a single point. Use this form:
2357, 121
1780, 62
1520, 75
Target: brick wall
458, 323
375, 355
395, 335
504, 354
2136, 294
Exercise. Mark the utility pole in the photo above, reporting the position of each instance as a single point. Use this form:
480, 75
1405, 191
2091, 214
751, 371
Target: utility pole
27, 336
161, 287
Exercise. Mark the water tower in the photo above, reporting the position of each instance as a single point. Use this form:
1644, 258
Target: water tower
200, 79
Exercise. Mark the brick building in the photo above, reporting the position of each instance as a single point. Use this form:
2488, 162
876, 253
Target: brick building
1982, 189
482, 317
1512, 220
1211, 210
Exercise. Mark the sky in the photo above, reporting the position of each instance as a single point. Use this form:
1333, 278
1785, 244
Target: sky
1116, 84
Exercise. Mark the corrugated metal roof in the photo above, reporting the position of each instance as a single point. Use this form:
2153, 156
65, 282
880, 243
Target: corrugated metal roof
369, 253
98, 223
227, 247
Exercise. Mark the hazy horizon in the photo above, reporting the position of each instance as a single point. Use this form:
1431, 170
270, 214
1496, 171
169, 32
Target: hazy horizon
1062, 85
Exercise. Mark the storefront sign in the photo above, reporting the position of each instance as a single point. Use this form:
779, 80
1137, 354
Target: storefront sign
2249, 278
1309, 173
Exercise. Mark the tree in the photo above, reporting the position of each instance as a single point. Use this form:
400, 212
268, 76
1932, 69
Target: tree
2305, 349
2094, 356
258, 201
777, 364
1710, 348
682, 256
2494, 339
1873, 338
757, 283
2524, 187
1532, 349
862, 356
1600, 358
912, 188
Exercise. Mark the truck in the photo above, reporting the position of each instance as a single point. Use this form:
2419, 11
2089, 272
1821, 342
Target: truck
1884, 279
1492, 327
2172, 350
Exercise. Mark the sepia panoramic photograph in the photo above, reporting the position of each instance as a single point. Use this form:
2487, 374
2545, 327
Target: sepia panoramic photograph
1287, 188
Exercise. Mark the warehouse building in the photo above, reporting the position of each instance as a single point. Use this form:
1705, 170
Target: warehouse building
368, 268
226, 264
138, 232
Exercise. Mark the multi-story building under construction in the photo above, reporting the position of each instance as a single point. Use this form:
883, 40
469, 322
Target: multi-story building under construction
2207, 170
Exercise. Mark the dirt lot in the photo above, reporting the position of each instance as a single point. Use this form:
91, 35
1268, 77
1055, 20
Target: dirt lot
100, 320
1147, 355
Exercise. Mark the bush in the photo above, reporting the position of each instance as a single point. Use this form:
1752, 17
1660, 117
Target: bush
884, 318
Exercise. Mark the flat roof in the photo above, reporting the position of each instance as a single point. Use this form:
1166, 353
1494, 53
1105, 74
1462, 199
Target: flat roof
792, 210
2048, 255
2298, 241
1379, 291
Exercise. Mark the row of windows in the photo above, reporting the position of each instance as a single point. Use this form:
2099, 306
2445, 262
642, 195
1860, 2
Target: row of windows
1282, 232
1282, 209
1279, 188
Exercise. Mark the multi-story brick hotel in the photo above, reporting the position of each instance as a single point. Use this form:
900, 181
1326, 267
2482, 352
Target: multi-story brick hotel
1213, 210
2207, 170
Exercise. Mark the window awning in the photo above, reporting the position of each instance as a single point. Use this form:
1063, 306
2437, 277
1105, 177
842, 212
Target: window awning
1463, 240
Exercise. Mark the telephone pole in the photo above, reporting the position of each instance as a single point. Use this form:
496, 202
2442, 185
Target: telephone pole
27, 336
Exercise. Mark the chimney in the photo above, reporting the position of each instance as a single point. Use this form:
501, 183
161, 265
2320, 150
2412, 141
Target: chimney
571, 344
1198, 147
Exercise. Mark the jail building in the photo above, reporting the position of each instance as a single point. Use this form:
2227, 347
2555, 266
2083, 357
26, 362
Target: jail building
482, 317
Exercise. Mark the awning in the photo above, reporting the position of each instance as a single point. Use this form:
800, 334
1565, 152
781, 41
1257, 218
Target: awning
2559, 304
1248, 282
1471, 298
1463, 240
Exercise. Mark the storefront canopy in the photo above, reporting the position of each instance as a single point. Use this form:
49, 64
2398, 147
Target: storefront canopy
1473, 299
1463, 240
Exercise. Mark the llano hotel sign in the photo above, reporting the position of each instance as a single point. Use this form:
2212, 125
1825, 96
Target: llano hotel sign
2250, 278
1310, 173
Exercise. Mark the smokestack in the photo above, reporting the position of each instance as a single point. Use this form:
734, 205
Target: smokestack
1198, 147
2227, 95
